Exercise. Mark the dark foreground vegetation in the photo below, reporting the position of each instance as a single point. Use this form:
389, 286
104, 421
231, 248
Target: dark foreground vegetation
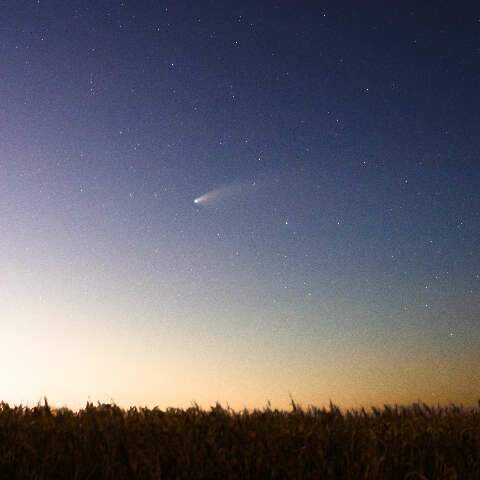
106, 442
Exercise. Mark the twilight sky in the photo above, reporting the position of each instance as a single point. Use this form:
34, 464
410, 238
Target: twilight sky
239, 201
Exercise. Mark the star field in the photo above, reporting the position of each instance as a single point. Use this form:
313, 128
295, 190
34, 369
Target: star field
239, 202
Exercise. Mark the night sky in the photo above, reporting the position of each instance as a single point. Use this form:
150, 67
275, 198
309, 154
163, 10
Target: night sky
239, 201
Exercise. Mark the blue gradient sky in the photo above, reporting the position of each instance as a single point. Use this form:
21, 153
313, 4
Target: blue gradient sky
339, 259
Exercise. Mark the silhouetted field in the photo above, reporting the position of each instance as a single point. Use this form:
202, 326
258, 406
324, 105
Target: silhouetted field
106, 442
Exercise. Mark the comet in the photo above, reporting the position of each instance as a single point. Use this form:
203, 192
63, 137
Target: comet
234, 191
218, 194
208, 197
